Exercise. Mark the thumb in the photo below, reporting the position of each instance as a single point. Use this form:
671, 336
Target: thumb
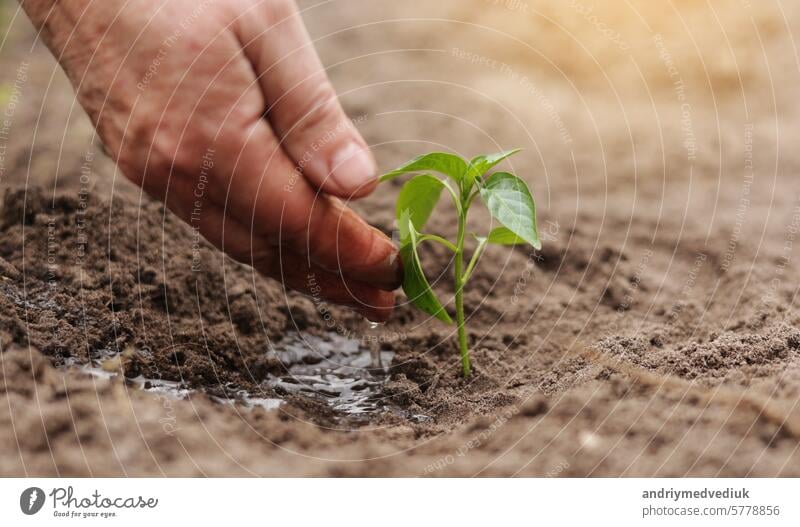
303, 108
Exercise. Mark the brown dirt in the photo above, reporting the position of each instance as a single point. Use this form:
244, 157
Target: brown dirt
656, 333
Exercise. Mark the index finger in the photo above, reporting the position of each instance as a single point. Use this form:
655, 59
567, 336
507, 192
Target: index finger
267, 192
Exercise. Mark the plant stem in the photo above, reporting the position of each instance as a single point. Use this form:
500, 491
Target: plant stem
438, 239
459, 283
474, 260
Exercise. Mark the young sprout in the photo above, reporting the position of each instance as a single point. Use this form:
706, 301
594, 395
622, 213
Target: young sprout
505, 195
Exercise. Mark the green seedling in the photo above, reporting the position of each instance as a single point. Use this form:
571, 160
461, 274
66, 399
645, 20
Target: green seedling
505, 195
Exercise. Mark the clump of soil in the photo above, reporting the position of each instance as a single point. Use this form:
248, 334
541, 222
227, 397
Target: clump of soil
758, 354
82, 287
89, 285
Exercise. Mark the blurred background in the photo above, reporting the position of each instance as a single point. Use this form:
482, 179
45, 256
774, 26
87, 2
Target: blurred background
615, 102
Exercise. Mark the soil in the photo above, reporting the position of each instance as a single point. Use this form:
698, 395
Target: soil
656, 332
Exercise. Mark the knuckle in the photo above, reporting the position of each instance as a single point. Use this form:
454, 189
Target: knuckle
165, 148
183, 150
317, 114
154, 154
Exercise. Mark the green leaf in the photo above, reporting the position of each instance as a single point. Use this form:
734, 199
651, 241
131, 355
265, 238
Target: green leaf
508, 199
482, 164
448, 164
416, 201
415, 285
503, 236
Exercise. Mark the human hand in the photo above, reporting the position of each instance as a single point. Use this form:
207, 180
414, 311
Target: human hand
214, 107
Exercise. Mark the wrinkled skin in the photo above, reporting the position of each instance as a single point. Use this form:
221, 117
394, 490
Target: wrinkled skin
221, 108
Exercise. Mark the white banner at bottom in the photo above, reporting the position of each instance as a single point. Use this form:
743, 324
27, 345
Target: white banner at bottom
401, 502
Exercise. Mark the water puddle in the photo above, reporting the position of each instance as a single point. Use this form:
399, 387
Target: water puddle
344, 373
105, 365
340, 371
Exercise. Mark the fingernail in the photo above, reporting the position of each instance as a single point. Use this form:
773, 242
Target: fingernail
353, 167
397, 267
389, 275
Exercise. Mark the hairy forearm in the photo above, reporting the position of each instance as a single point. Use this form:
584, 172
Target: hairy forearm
89, 37
78, 31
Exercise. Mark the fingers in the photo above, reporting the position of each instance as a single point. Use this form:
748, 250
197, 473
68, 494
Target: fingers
293, 270
303, 107
338, 238
296, 273
266, 194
